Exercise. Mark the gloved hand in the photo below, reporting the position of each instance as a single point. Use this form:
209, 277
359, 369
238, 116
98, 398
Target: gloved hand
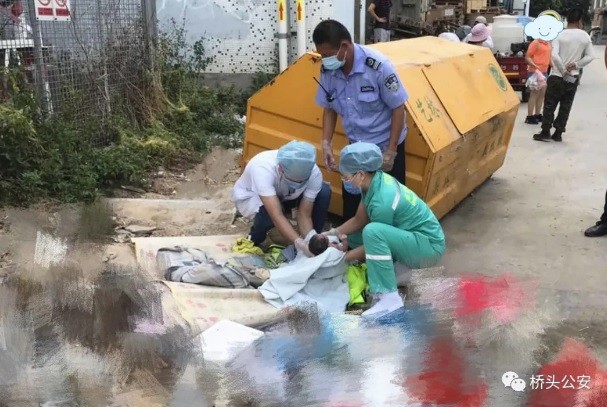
343, 246
332, 232
389, 157
327, 153
336, 233
302, 246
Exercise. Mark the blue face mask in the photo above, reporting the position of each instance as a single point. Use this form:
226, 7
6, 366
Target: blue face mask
295, 185
332, 63
351, 188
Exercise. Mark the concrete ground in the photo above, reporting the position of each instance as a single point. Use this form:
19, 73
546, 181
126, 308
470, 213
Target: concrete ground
529, 219
530, 216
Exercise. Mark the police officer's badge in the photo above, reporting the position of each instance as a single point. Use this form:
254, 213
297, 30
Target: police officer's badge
391, 83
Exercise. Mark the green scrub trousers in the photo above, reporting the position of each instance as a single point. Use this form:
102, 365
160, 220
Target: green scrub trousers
385, 244
401, 228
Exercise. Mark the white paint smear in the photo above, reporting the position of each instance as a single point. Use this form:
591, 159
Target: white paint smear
49, 250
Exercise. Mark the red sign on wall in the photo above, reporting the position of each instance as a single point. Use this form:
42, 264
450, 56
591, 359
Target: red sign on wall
62, 9
44, 10
53, 10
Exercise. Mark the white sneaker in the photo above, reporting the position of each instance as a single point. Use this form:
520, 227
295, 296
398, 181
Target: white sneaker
386, 303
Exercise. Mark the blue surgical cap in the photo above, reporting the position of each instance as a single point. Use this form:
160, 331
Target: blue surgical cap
297, 159
360, 157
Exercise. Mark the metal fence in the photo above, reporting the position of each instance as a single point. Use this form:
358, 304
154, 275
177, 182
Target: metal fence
81, 57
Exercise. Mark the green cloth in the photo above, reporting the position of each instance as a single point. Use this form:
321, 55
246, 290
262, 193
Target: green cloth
401, 228
273, 257
357, 283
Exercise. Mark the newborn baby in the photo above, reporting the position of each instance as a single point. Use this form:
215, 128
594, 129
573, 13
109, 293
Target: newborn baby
319, 243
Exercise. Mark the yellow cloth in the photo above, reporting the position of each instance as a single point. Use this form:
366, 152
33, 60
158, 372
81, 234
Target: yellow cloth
246, 246
357, 282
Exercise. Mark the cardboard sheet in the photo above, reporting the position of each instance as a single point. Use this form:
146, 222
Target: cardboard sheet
202, 306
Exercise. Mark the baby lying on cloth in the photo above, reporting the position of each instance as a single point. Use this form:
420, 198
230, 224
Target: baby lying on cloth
319, 243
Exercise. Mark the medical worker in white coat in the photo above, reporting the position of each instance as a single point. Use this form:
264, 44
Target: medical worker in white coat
276, 181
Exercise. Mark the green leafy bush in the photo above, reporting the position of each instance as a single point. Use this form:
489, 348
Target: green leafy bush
167, 116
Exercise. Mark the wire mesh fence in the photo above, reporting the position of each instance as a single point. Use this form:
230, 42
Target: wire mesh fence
81, 58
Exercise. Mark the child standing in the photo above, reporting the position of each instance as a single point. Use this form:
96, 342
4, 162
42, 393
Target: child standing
538, 58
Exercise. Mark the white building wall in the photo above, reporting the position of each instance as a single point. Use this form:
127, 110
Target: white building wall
240, 33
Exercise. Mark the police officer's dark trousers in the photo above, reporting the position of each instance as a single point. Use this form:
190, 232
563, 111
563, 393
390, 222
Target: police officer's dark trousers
561, 93
604, 216
350, 202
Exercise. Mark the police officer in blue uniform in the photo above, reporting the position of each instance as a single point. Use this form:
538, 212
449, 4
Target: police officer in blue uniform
361, 85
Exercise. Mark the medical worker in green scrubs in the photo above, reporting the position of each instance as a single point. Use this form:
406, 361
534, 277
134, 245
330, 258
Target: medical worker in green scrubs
396, 225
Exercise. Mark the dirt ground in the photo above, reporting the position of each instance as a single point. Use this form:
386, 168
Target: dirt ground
79, 248
209, 183
168, 206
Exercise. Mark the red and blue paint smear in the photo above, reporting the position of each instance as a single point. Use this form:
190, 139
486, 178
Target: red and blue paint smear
574, 379
444, 379
505, 297
470, 297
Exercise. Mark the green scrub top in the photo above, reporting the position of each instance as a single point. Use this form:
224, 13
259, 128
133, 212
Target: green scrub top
388, 201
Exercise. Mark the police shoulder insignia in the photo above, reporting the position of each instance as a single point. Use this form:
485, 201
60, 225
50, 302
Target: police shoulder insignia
372, 63
391, 82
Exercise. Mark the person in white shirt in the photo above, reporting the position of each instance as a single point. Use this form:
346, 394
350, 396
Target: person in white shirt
571, 51
449, 36
488, 42
277, 180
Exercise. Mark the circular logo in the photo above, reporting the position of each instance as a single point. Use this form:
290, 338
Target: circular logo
498, 77
44, 3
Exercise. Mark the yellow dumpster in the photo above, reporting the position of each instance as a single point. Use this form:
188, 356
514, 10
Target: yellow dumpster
460, 113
